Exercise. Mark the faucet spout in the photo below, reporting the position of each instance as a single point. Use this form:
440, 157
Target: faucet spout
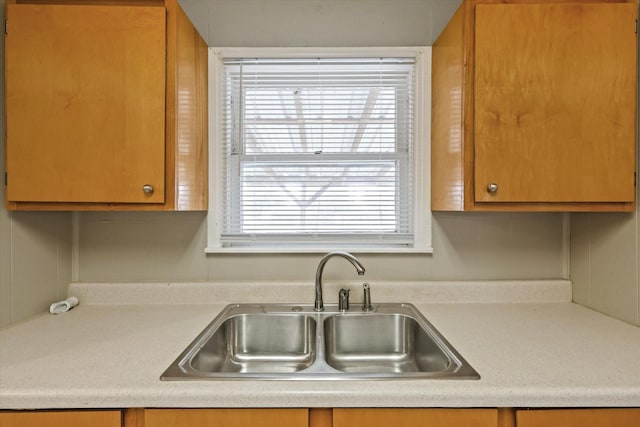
319, 304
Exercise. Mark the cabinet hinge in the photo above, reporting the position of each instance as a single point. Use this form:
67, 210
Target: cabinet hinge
6, 26
6, 179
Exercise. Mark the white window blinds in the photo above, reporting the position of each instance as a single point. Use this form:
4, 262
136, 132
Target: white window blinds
318, 151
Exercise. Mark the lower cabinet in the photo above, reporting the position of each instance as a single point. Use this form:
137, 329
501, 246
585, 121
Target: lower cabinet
383, 417
226, 417
61, 418
578, 418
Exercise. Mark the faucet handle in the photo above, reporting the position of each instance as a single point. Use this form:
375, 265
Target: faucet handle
366, 304
343, 299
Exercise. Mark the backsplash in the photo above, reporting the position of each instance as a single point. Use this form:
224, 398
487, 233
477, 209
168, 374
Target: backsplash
167, 246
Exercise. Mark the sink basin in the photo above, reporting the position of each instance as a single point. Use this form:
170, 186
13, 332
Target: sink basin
245, 340
276, 341
258, 343
381, 343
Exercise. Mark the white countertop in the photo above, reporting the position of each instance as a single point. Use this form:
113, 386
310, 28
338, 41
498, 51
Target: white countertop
108, 354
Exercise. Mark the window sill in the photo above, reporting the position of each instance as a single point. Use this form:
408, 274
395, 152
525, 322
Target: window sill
317, 250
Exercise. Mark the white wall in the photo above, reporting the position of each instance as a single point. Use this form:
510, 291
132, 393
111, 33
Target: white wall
605, 263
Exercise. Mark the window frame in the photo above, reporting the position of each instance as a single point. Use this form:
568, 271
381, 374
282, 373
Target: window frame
422, 150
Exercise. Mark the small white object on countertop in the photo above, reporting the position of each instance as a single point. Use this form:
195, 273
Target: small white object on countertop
63, 306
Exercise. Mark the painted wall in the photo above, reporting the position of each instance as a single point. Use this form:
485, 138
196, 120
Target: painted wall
605, 260
170, 247
233, 23
605, 263
35, 248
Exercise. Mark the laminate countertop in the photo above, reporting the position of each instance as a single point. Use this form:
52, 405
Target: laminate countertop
531, 346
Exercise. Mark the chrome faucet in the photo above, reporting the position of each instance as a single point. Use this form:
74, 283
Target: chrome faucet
319, 305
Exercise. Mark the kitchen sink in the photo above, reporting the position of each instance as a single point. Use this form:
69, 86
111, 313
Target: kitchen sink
277, 341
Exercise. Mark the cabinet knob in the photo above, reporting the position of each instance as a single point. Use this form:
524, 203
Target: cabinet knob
147, 189
492, 188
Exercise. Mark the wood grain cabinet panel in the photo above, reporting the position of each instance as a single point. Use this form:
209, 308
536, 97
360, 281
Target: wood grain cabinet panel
534, 107
85, 103
61, 419
106, 105
226, 417
396, 417
578, 418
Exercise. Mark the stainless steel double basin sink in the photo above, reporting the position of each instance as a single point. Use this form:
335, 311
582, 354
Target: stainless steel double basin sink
294, 342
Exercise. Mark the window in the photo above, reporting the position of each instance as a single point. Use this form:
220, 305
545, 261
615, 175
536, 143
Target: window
319, 150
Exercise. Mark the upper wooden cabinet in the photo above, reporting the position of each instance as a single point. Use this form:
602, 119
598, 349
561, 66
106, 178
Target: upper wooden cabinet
534, 107
106, 106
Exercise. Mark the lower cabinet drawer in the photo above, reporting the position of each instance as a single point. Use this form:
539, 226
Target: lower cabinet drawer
578, 418
397, 417
61, 418
226, 417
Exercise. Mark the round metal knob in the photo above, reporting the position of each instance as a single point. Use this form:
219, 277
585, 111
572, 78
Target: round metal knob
492, 188
147, 189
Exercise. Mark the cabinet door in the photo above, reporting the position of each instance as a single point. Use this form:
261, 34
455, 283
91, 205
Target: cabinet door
554, 114
395, 417
85, 103
579, 418
61, 419
226, 417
